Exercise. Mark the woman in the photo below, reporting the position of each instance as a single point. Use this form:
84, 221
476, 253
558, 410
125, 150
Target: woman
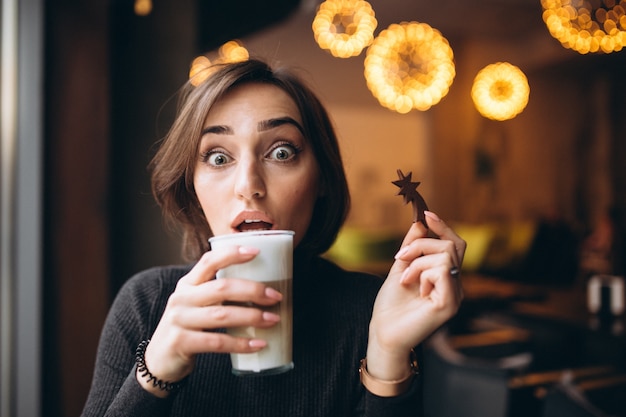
253, 148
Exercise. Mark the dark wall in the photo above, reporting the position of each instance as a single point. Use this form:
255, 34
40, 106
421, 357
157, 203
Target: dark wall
76, 223
149, 59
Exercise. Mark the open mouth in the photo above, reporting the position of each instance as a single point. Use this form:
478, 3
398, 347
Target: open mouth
253, 225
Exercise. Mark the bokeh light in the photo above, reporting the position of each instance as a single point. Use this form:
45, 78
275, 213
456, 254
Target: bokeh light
202, 66
143, 7
500, 91
587, 26
344, 27
409, 66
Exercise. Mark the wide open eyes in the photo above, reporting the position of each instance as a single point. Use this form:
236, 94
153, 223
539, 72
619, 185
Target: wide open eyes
216, 158
283, 152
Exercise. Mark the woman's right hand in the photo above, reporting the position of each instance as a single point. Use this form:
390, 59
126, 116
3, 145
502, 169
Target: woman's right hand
197, 306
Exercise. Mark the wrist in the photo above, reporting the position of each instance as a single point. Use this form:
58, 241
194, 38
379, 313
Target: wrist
149, 381
389, 387
387, 362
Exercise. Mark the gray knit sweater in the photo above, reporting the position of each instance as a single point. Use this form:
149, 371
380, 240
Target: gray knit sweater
332, 310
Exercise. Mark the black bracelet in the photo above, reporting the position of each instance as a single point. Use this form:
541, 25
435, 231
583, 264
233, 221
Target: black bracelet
140, 361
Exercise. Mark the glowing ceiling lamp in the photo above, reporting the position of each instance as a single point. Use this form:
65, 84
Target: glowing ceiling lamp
344, 27
202, 67
143, 7
409, 66
500, 91
587, 26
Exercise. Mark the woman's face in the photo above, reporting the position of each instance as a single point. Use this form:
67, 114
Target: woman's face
255, 169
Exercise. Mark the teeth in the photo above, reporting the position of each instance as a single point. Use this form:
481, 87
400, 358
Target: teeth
254, 224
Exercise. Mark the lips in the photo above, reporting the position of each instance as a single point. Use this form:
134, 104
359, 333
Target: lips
252, 220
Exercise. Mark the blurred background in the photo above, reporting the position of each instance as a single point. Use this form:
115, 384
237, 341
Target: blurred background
89, 88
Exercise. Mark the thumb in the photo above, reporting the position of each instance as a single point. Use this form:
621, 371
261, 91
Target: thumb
416, 231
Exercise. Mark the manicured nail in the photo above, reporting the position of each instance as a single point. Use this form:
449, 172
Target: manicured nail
267, 316
272, 293
432, 215
257, 343
244, 250
401, 252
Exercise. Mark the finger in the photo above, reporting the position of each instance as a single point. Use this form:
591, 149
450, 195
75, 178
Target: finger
443, 292
432, 273
222, 290
212, 261
416, 231
224, 316
425, 247
445, 232
208, 341
439, 262
435, 279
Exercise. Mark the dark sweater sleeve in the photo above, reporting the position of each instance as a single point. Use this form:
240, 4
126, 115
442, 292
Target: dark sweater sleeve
131, 319
408, 404
134, 401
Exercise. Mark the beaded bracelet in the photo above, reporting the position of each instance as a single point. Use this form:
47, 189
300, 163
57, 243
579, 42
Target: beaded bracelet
140, 361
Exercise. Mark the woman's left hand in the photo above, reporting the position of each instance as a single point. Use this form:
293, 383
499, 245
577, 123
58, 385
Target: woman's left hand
420, 294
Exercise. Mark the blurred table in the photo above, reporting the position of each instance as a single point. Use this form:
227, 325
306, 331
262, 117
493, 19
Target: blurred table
557, 315
563, 303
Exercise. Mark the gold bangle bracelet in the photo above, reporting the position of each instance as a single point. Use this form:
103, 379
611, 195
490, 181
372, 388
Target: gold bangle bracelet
384, 388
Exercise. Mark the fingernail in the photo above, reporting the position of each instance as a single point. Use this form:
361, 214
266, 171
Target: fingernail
273, 294
267, 316
244, 250
257, 343
401, 252
432, 215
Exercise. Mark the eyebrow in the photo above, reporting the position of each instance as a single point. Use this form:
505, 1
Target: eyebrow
272, 123
261, 126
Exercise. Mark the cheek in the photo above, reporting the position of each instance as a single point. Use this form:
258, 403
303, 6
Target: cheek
215, 216
302, 201
199, 189
205, 207
206, 198
306, 192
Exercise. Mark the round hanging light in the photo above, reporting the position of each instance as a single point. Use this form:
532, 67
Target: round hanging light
344, 27
587, 26
143, 7
500, 91
409, 66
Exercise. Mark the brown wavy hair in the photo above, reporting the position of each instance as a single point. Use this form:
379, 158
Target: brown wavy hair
173, 165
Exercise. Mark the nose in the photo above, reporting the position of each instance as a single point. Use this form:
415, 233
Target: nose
249, 181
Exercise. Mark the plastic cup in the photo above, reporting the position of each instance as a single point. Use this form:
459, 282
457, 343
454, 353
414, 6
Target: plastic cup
274, 267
